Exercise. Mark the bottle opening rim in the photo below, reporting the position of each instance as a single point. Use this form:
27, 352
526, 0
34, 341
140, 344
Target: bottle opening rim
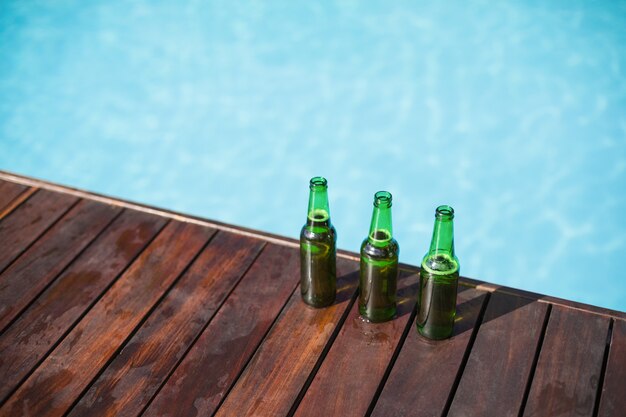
382, 198
318, 182
445, 211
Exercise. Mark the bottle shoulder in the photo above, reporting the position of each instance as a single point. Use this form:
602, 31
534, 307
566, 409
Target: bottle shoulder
440, 263
390, 250
317, 232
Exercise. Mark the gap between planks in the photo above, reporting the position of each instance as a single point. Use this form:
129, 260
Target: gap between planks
466, 355
533, 366
605, 362
323, 354
409, 325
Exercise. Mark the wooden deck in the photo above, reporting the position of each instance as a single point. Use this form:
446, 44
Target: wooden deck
113, 308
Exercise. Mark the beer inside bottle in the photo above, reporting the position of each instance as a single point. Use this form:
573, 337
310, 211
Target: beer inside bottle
379, 264
318, 249
439, 277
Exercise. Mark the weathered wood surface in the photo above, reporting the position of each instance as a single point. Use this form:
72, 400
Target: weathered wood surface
153, 352
68, 370
500, 363
12, 195
279, 371
23, 226
31, 273
568, 372
106, 311
421, 359
358, 359
220, 353
45, 322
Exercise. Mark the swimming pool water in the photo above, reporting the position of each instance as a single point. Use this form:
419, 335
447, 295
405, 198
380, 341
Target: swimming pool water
514, 114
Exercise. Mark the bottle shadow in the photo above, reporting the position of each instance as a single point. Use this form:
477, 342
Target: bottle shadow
473, 305
347, 285
408, 288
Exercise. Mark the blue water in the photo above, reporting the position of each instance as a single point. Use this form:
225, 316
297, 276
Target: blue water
514, 114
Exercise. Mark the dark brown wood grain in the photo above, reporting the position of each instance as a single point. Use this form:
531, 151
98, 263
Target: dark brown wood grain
24, 224
613, 400
44, 260
28, 340
424, 373
133, 377
76, 361
216, 359
356, 363
500, 363
9, 193
132, 317
280, 368
570, 363
8, 209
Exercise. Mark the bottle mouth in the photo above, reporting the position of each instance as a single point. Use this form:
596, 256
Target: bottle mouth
444, 212
318, 182
382, 199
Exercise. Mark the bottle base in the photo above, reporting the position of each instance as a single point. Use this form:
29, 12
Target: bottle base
318, 303
378, 315
435, 333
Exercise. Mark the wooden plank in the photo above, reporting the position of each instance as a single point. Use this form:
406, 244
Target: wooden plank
425, 371
26, 223
43, 261
150, 356
570, 364
8, 209
358, 359
9, 193
613, 400
75, 362
212, 365
499, 366
270, 384
41, 326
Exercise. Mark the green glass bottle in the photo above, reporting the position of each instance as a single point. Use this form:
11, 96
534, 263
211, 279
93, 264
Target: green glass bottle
439, 278
318, 249
379, 264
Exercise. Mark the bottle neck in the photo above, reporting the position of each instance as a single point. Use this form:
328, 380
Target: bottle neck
381, 229
319, 210
442, 242
441, 258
